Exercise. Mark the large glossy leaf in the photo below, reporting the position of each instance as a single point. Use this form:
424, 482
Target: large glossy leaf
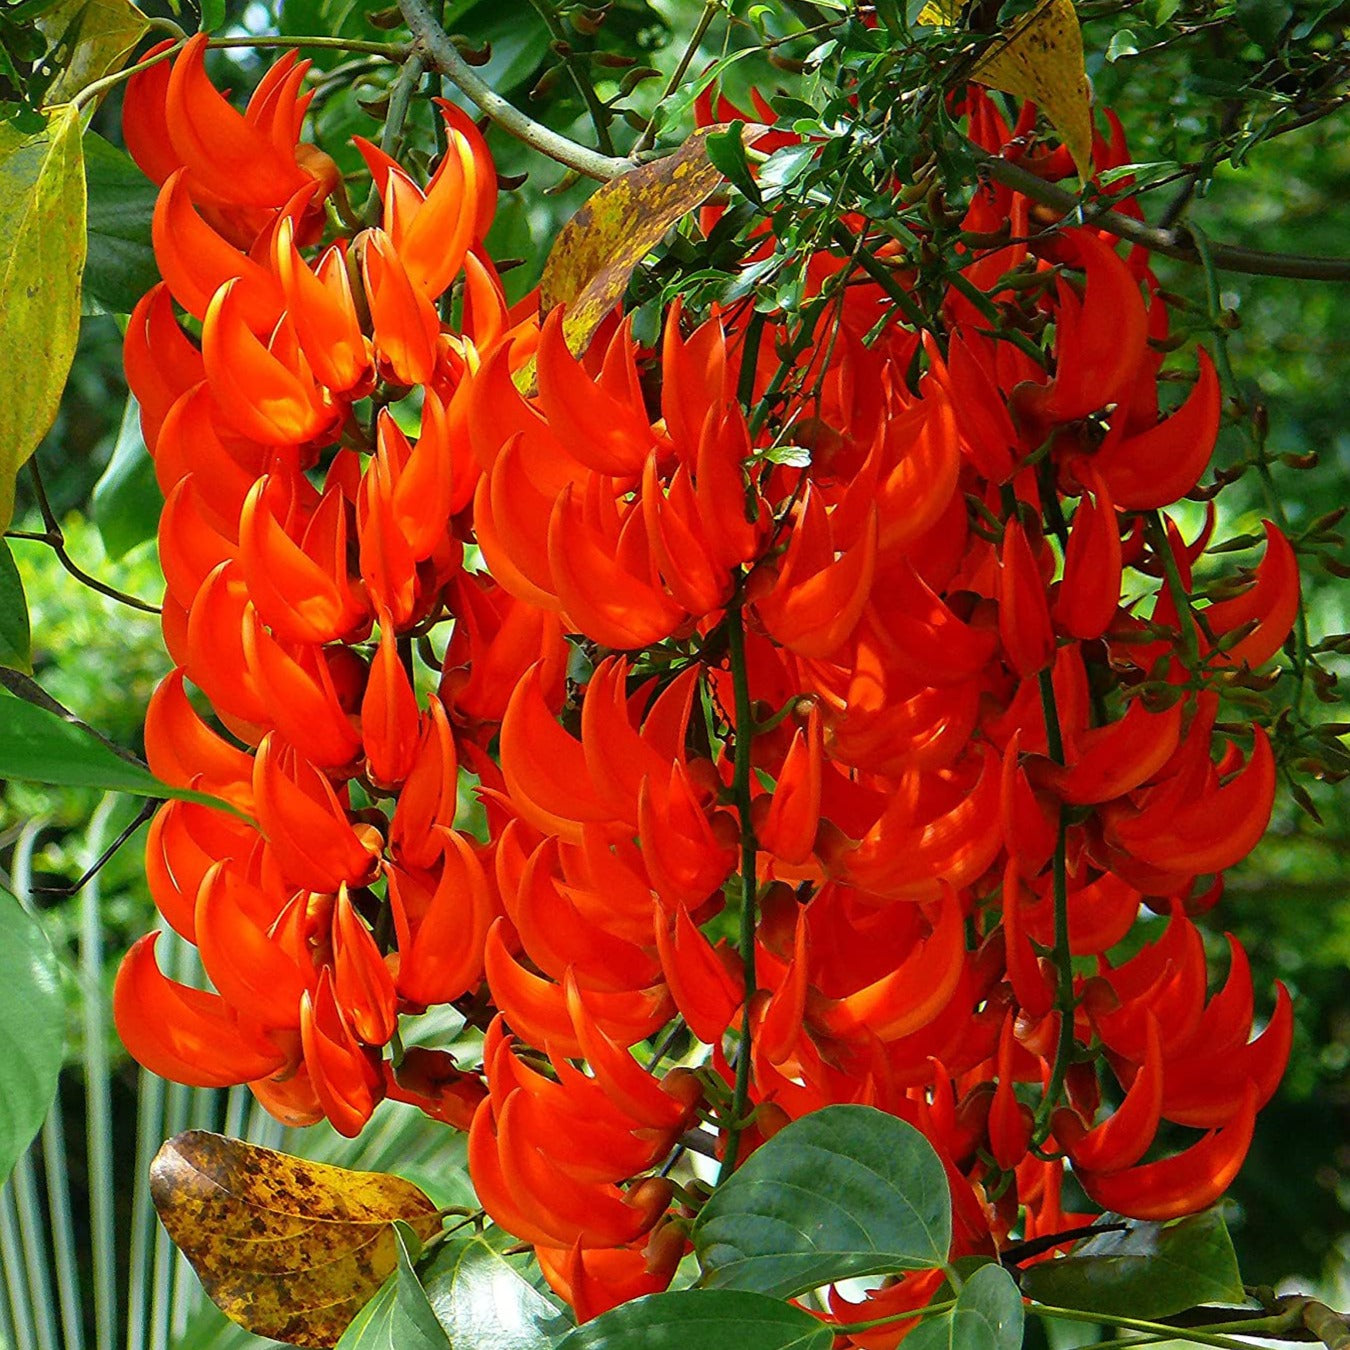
16, 650
842, 1192
127, 500
399, 1317
121, 264
93, 37
32, 1030
702, 1319
287, 1248
1149, 1270
987, 1316
40, 747
42, 245
479, 1298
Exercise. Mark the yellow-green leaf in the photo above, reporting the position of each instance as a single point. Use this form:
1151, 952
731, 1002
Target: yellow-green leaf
42, 248
595, 253
287, 1248
93, 37
1040, 58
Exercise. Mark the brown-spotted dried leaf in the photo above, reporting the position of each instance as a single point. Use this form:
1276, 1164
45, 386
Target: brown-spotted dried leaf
595, 253
1040, 58
287, 1248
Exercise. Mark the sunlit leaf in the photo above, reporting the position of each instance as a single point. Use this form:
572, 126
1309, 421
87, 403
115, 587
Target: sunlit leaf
480, 1299
94, 38
1149, 1270
702, 1319
32, 1030
287, 1248
399, 1317
42, 246
987, 1316
592, 259
16, 650
1039, 58
842, 1192
40, 746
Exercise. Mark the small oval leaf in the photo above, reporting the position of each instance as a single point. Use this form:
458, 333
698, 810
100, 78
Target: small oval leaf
285, 1247
32, 1030
42, 247
842, 1192
702, 1319
988, 1316
16, 647
1149, 1270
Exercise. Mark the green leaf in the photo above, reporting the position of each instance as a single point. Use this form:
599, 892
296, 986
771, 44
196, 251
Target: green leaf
1123, 43
32, 1030
987, 1316
39, 746
480, 1299
16, 648
127, 500
93, 38
726, 150
702, 1319
213, 15
121, 264
399, 1317
842, 1192
1149, 1270
42, 244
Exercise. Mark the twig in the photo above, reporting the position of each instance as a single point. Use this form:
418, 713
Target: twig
710, 9
148, 809
1175, 243
446, 58
595, 109
56, 540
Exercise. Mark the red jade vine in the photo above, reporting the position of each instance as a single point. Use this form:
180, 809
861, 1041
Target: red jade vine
839, 704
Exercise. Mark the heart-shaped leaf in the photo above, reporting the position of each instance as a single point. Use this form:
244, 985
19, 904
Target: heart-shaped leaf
987, 1316
1149, 1270
285, 1247
702, 1319
842, 1192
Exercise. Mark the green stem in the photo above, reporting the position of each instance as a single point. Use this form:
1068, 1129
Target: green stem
740, 791
932, 1310
710, 9
1158, 1329
595, 109
395, 51
1062, 955
1156, 533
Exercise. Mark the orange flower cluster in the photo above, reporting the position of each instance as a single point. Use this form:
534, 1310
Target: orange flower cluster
887, 631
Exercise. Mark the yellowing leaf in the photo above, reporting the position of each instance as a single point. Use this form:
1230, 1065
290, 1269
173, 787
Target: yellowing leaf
287, 1248
95, 38
1040, 58
42, 247
595, 253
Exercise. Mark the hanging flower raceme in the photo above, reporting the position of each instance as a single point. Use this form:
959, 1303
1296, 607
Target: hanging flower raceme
889, 649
